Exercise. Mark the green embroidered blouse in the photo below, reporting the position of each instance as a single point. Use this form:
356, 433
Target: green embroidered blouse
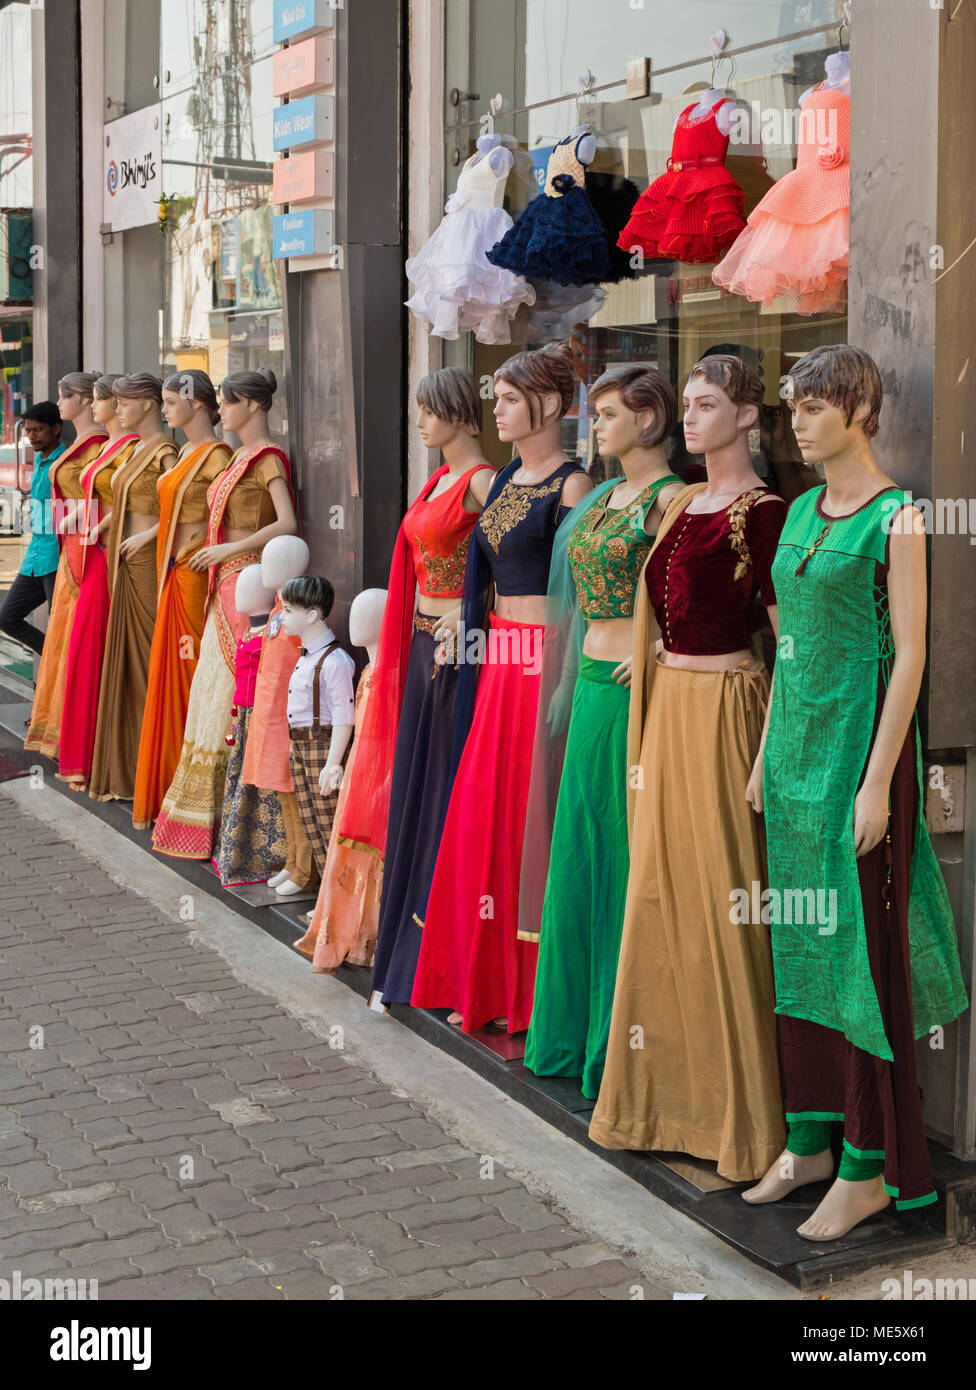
607, 551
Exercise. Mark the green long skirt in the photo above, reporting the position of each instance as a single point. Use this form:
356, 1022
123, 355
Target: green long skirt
583, 911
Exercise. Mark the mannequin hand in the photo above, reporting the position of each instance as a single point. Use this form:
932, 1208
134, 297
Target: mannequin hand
560, 707
870, 819
754, 790
133, 543
623, 672
330, 778
210, 555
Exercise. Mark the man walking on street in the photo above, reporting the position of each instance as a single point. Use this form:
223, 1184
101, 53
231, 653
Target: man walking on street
35, 582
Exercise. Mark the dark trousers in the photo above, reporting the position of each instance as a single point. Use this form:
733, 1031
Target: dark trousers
27, 592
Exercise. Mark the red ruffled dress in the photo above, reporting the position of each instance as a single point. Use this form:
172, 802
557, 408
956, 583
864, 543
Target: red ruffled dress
693, 213
798, 239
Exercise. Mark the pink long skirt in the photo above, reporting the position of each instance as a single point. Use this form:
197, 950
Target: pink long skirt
83, 671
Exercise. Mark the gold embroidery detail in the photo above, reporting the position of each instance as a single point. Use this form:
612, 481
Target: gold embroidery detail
607, 556
423, 622
737, 514
445, 572
511, 507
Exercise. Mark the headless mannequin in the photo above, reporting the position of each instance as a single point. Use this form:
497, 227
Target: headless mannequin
193, 418
310, 626
724, 114
80, 411
144, 417
253, 597
853, 478
838, 70
587, 145
490, 147
281, 559
719, 428
365, 625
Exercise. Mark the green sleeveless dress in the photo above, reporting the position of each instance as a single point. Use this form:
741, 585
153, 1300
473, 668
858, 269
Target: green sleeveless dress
835, 639
597, 564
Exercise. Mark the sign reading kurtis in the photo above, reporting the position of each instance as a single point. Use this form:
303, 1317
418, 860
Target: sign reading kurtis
132, 177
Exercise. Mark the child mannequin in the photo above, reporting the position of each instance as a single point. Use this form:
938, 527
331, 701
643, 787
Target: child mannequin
321, 707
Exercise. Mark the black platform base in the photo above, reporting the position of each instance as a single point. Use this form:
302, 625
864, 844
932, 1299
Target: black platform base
766, 1235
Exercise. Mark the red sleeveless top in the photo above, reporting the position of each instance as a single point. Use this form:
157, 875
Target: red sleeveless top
438, 533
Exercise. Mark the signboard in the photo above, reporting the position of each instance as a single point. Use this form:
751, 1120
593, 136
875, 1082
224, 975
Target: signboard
132, 170
303, 177
308, 121
295, 19
307, 233
303, 66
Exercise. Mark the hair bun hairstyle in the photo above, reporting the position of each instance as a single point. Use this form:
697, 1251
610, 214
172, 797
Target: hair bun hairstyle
269, 377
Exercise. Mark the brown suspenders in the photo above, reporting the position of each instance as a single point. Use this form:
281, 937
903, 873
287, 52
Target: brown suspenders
316, 693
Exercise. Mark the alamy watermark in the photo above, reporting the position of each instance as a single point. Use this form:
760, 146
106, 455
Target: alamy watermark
788, 906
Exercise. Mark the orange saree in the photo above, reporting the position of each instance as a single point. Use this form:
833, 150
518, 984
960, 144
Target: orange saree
44, 733
175, 651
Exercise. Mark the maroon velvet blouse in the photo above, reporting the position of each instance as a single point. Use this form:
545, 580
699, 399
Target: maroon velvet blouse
704, 577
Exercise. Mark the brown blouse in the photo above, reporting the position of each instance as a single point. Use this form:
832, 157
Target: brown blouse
249, 506
142, 496
194, 504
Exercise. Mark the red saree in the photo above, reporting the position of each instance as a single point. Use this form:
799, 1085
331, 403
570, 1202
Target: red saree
86, 648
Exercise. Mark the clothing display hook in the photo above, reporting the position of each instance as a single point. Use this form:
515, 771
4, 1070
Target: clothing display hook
488, 119
584, 98
720, 41
845, 24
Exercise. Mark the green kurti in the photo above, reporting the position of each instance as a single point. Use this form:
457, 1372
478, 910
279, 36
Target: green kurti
835, 638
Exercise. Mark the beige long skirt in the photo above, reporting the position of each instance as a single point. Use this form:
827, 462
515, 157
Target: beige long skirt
692, 1063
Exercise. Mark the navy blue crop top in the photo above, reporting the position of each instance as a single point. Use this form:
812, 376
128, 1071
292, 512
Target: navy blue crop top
516, 531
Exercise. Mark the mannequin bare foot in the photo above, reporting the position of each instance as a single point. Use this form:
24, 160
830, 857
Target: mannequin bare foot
789, 1172
455, 1017
844, 1207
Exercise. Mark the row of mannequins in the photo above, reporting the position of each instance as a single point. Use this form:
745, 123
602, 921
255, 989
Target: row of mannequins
574, 805
583, 228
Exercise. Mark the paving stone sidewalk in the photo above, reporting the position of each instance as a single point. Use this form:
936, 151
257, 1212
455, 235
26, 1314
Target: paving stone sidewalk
174, 1134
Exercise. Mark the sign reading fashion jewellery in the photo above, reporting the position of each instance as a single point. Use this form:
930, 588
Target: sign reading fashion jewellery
295, 19
307, 233
132, 174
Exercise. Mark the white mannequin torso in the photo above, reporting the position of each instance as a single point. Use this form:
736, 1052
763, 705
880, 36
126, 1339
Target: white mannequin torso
723, 116
838, 76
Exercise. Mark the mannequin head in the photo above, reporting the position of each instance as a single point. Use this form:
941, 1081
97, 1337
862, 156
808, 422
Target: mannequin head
251, 595
188, 394
246, 396
283, 558
533, 390
306, 603
104, 403
366, 618
140, 399
75, 393
834, 394
636, 407
721, 401
448, 404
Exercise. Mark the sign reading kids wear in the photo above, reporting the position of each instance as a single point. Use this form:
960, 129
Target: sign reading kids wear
132, 173
304, 133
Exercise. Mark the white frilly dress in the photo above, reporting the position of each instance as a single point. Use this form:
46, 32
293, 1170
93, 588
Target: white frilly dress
455, 288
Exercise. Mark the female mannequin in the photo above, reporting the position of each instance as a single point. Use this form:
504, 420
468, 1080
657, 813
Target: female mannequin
344, 921
252, 829
839, 775
86, 645
691, 1059
75, 398
250, 503
597, 560
189, 404
266, 764
470, 957
129, 551
408, 729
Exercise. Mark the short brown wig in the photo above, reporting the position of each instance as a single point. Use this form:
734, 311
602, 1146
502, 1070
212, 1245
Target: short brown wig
138, 386
258, 386
79, 384
642, 388
543, 372
844, 376
736, 378
452, 395
195, 385
104, 388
